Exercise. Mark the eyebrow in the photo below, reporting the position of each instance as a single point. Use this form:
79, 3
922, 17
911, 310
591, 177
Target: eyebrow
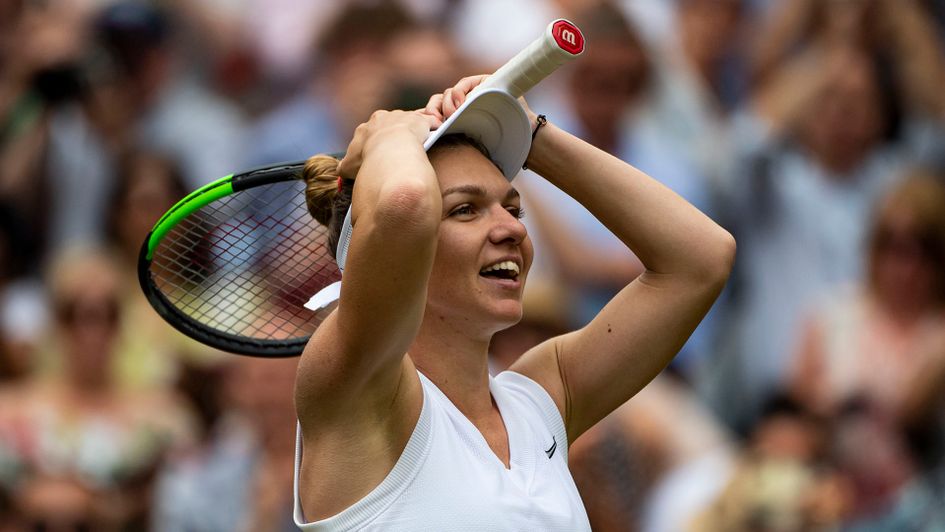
476, 190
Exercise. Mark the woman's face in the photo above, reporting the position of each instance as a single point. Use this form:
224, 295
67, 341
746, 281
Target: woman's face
610, 76
904, 273
88, 318
483, 252
846, 121
150, 194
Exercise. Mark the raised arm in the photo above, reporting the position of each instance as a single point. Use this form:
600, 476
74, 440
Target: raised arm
687, 257
352, 364
777, 33
917, 52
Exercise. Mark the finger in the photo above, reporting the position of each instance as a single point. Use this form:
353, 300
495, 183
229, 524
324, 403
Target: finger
434, 106
449, 107
462, 88
469, 83
343, 166
349, 164
432, 121
426, 124
458, 98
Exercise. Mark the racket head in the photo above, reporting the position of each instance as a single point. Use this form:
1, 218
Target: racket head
232, 264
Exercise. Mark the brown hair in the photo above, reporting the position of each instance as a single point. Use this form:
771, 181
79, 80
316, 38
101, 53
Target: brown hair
328, 202
922, 197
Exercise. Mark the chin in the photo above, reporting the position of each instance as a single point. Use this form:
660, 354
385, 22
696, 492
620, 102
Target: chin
507, 314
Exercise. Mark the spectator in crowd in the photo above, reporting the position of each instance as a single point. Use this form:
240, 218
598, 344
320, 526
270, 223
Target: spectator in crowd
240, 476
697, 88
147, 184
887, 491
694, 454
76, 438
91, 83
490, 32
423, 60
899, 32
351, 76
781, 482
39, 45
613, 474
884, 341
829, 142
170, 111
877, 339
266, 39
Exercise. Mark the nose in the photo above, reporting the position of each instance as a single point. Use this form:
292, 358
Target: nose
506, 228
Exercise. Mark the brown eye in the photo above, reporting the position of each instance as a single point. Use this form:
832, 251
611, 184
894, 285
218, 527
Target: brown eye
462, 210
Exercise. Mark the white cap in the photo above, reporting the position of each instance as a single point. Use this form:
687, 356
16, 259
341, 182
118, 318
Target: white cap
497, 120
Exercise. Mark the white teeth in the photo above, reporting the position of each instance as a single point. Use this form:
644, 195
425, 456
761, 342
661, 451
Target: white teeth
507, 265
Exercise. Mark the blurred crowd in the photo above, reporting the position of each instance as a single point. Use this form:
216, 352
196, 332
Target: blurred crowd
811, 398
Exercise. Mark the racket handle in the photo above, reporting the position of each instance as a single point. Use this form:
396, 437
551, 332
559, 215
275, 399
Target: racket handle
561, 42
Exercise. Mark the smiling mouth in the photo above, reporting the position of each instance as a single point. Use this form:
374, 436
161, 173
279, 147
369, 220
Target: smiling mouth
506, 270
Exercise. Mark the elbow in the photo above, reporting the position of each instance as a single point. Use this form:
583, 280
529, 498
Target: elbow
721, 258
410, 205
709, 263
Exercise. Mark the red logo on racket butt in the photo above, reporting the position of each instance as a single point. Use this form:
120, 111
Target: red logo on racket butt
568, 37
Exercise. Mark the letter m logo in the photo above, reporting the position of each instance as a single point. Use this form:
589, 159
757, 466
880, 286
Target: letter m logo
568, 37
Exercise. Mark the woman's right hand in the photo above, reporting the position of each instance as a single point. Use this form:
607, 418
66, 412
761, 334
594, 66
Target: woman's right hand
386, 126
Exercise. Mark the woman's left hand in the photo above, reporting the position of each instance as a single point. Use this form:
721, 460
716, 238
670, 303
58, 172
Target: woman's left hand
444, 104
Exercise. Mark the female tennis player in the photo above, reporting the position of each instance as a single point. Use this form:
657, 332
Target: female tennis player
401, 426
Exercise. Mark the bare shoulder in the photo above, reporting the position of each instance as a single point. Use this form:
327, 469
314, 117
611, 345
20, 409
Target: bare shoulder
351, 444
331, 382
542, 364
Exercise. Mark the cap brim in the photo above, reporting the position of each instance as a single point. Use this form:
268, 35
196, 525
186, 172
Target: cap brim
497, 120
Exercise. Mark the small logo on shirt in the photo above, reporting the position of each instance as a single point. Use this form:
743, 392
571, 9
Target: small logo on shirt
551, 450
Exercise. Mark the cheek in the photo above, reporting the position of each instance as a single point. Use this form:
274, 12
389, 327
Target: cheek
528, 253
453, 260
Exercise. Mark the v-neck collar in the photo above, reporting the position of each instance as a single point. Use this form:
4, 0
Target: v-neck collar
497, 395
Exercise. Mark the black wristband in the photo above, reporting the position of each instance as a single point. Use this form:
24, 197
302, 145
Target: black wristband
540, 121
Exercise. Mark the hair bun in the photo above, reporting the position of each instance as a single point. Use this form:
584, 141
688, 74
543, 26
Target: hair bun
321, 186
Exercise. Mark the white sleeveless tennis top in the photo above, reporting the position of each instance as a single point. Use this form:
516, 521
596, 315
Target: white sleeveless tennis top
449, 479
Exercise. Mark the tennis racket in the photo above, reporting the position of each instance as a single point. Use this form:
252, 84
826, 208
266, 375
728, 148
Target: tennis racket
233, 264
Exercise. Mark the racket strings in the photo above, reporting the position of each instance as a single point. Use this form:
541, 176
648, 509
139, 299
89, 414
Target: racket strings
245, 264
225, 297
245, 279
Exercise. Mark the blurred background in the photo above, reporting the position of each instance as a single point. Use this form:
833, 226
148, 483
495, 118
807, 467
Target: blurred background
812, 397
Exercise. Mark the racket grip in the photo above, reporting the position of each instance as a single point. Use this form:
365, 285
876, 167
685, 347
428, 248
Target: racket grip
561, 42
